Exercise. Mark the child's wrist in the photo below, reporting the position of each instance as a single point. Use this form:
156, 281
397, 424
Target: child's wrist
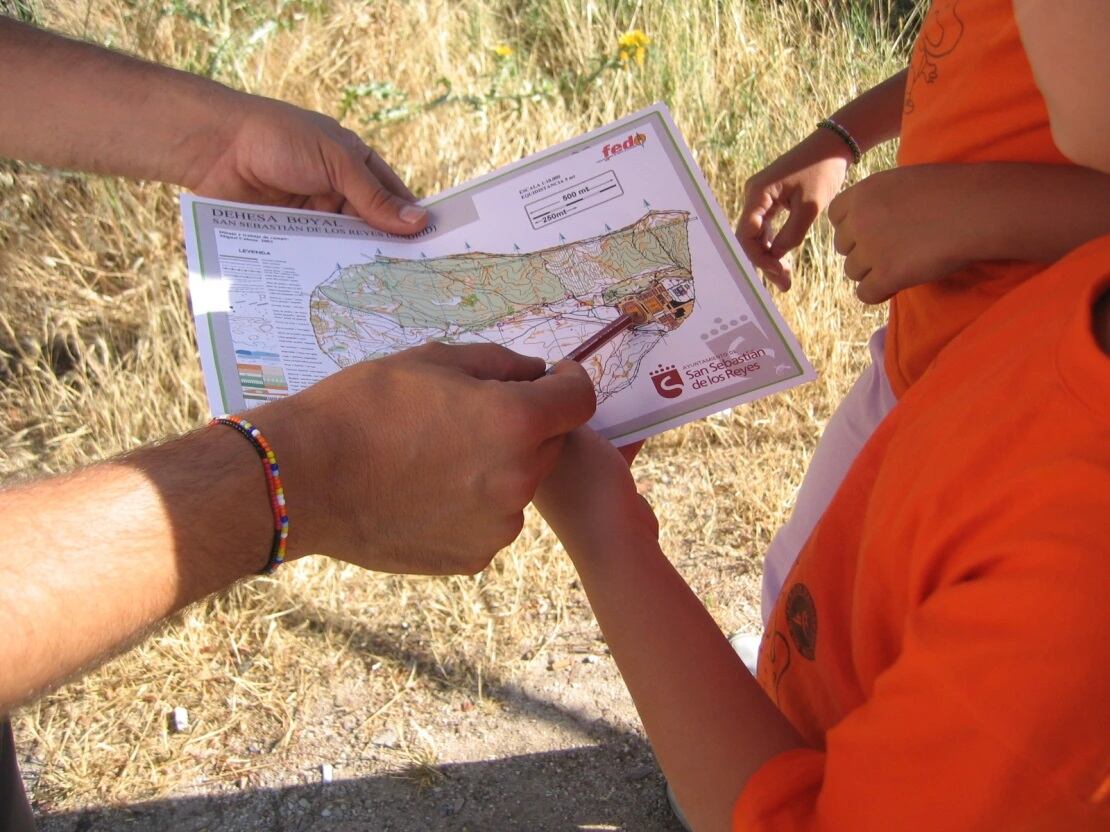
585, 534
618, 547
829, 146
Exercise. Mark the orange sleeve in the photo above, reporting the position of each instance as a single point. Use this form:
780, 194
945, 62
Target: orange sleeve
996, 715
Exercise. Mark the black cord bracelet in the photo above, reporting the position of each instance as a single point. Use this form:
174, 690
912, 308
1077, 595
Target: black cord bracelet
840, 130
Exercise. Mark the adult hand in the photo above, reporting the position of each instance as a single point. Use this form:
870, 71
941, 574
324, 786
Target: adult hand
72, 104
590, 494
422, 462
801, 182
277, 154
902, 227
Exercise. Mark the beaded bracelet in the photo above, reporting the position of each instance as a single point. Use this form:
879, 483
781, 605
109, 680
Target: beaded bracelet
842, 131
273, 484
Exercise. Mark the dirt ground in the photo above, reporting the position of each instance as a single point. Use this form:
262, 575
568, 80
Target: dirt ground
593, 775
559, 747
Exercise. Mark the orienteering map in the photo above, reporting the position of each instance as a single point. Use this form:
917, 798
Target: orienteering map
536, 257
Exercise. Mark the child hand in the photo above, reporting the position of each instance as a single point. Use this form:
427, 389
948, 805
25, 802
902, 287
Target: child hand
802, 182
590, 495
902, 227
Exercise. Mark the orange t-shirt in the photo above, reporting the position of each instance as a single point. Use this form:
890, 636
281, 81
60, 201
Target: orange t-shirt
970, 97
941, 641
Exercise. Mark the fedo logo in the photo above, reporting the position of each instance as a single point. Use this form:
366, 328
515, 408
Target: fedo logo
668, 381
632, 142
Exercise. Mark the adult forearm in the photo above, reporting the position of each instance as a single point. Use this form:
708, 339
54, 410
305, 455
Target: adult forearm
91, 561
73, 105
875, 116
709, 722
1030, 212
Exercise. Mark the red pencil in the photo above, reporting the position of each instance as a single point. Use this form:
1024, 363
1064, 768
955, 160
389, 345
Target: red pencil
601, 337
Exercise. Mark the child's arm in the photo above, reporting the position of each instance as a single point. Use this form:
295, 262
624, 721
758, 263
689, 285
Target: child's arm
804, 180
920, 223
709, 722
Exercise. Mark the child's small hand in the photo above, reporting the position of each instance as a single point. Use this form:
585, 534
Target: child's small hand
590, 495
801, 182
902, 227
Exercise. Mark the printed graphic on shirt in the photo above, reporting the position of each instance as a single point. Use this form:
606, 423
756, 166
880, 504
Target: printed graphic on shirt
941, 33
801, 620
778, 659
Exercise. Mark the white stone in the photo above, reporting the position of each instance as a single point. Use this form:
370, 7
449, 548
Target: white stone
180, 720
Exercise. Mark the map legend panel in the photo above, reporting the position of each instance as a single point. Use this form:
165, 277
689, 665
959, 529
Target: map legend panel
261, 376
551, 208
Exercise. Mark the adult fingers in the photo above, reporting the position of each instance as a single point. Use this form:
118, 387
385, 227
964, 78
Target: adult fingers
487, 362
561, 400
332, 203
372, 200
387, 176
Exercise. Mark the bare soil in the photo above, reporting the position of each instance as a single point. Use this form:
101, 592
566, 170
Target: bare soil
559, 749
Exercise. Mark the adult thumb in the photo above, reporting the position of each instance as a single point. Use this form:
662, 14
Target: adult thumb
564, 398
374, 203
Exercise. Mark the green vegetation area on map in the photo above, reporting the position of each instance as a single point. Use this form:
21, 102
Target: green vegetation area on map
473, 291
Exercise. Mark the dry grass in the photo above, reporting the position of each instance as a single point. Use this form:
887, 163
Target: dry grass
98, 357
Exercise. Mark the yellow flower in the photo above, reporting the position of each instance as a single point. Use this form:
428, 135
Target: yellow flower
633, 44
503, 50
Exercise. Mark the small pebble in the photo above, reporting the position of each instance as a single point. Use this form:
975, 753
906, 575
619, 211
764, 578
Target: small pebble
327, 773
179, 720
385, 739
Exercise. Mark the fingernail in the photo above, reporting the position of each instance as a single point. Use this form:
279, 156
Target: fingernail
412, 213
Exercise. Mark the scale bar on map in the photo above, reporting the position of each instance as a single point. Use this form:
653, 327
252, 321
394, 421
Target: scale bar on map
551, 208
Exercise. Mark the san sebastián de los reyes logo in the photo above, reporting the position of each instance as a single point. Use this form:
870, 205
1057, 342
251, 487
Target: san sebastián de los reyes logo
668, 381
